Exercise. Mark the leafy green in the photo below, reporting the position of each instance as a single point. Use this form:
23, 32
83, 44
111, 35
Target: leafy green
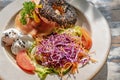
65, 71
62, 71
75, 30
40, 70
31, 48
43, 71
28, 8
23, 20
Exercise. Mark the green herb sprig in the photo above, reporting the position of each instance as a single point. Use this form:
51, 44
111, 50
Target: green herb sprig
28, 8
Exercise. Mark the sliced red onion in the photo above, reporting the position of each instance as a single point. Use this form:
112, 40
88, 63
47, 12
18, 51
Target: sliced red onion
85, 60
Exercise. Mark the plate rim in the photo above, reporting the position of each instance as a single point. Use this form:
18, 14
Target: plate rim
107, 26
19, 2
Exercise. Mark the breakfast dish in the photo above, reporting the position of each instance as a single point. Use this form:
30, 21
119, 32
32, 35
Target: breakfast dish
62, 50
46, 40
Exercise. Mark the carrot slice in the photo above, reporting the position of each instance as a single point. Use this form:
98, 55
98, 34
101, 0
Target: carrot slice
86, 39
24, 61
74, 67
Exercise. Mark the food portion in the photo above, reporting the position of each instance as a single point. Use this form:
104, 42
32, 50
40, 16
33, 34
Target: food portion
58, 11
24, 61
45, 16
22, 43
16, 40
9, 36
59, 50
46, 40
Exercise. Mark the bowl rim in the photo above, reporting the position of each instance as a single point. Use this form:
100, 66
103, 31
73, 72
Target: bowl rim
81, 5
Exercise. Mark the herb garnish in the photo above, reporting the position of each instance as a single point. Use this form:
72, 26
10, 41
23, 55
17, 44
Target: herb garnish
28, 8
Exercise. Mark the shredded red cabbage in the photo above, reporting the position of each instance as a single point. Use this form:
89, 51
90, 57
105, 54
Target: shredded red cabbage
59, 49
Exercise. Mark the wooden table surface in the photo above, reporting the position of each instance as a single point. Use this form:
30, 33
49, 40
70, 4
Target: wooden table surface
111, 11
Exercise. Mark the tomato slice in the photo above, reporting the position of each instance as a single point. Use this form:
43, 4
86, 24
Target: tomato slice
86, 39
24, 61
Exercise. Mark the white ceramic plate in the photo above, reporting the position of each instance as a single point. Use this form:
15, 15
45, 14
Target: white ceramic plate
96, 24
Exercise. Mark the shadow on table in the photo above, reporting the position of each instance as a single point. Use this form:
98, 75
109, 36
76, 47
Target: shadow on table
102, 75
1, 78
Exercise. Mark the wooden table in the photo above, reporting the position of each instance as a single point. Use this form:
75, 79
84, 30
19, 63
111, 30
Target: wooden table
111, 11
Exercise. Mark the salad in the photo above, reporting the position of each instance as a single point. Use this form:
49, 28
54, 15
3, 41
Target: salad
46, 40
